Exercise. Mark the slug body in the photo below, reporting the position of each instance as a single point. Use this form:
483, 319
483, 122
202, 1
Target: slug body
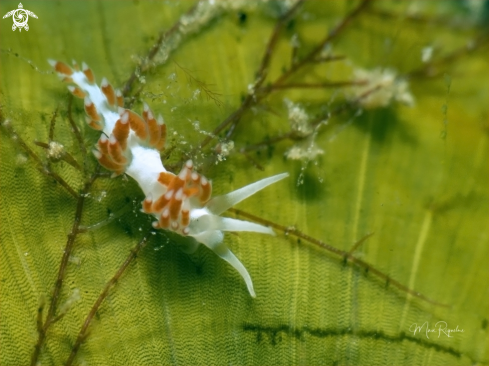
131, 144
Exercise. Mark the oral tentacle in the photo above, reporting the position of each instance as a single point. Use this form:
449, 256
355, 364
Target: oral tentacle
219, 204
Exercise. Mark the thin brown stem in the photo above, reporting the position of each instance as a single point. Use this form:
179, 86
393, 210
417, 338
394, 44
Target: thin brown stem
343, 254
259, 93
252, 98
77, 133
272, 42
328, 59
40, 310
312, 55
112, 282
212, 95
153, 51
48, 172
252, 161
432, 69
314, 124
65, 157
14, 136
268, 142
236, 115
359, 242
51, 316
41, 166
418, 18
336, 84
52, 124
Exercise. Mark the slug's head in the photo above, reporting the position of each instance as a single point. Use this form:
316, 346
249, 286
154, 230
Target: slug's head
172, 201
182, 203
198, 217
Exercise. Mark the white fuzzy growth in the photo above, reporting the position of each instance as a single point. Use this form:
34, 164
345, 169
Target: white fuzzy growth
298, 119
385, 85
55, 150
306, 150
426, 54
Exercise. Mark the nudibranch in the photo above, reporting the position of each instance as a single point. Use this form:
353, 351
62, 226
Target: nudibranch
131, 144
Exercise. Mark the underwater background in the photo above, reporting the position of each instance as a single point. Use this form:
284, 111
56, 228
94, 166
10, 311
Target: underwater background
378, 110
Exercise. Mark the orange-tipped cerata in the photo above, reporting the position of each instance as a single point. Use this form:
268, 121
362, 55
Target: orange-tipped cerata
121, 131
77, 92
109, 92
115, 151
88, 73
137, 124
63, 68
91, 110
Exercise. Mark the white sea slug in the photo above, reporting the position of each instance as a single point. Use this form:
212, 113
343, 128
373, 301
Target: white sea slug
131, 144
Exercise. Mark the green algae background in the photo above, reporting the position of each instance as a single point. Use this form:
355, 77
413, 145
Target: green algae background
420, 185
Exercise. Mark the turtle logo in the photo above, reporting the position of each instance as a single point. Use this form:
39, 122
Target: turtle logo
20, 17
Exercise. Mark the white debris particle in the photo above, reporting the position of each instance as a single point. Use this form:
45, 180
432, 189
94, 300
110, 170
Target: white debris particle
20, 159
306, 151
204, 12
75, 260
327, 51
298, 119
426, 54
225, 149
172, 76
72, 299
380, 88
196, 94
55, 150
294, 41
102, 195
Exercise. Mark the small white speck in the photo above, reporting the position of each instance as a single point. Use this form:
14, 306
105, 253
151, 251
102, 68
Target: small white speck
426, 54
20, 159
